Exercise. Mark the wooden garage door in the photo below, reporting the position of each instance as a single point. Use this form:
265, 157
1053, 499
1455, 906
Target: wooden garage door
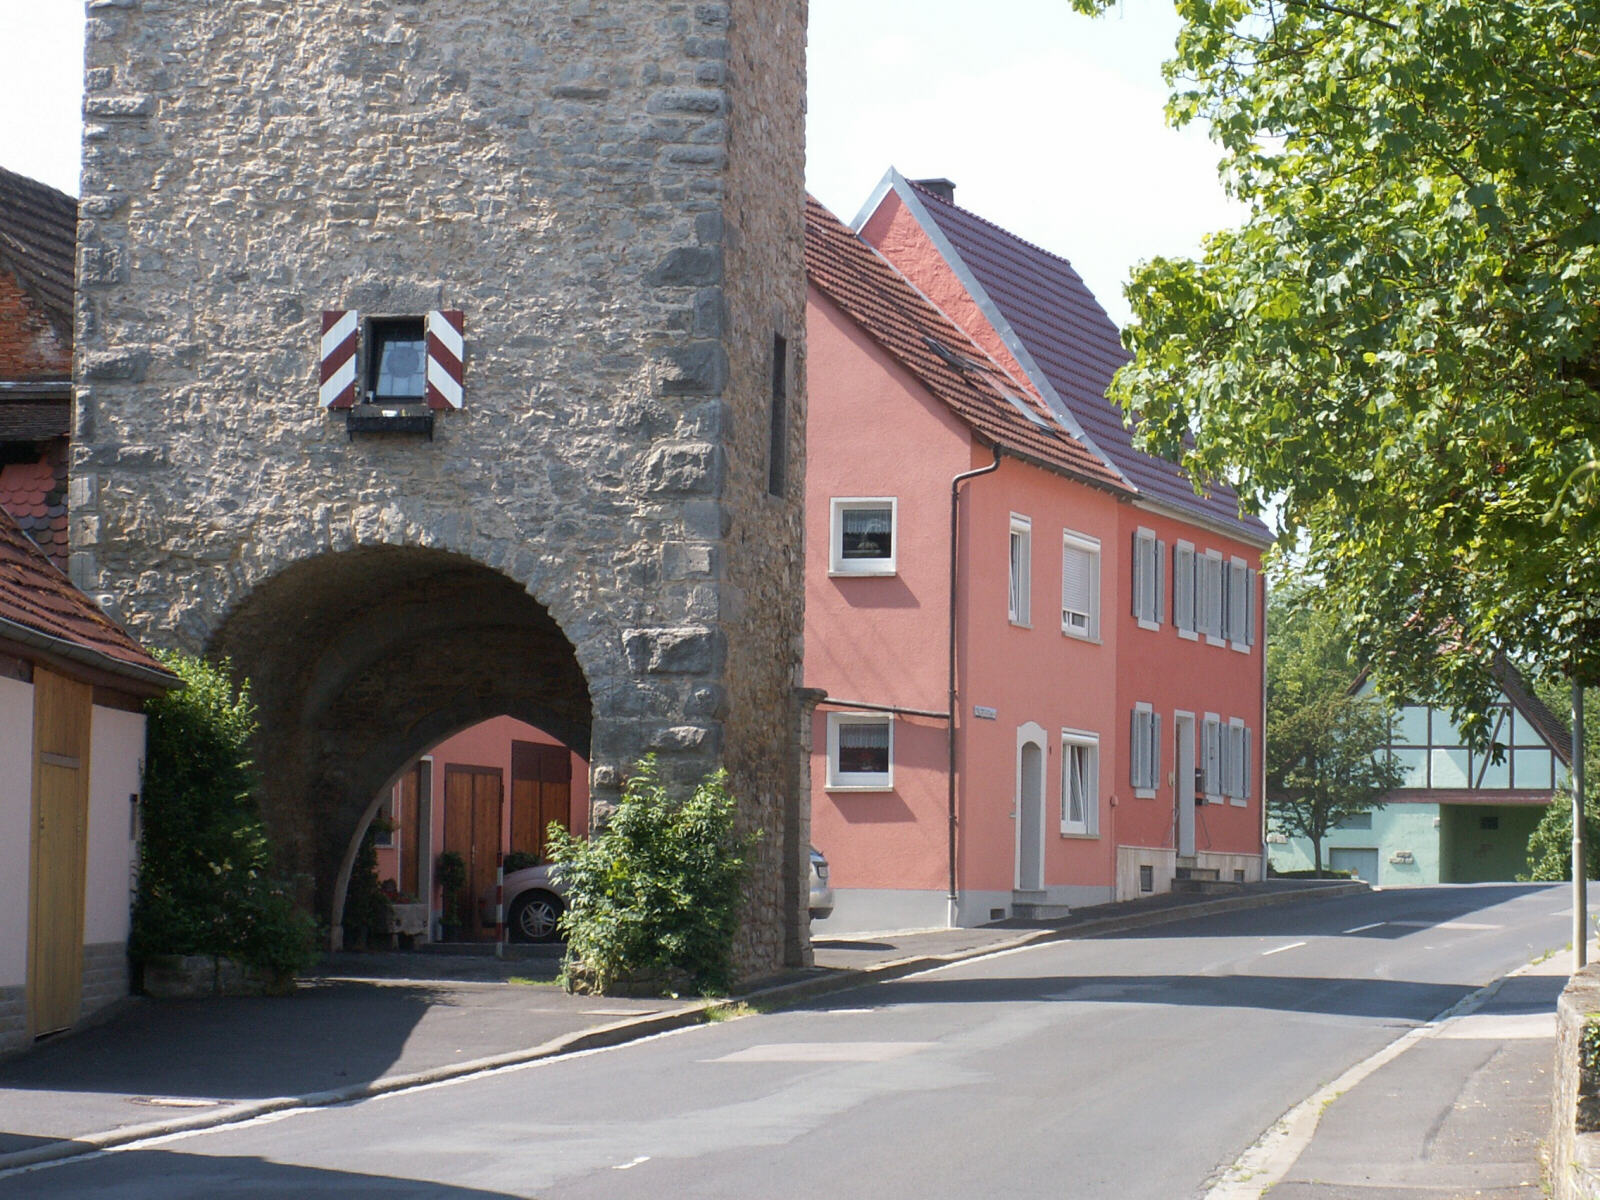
541, 792
62, 711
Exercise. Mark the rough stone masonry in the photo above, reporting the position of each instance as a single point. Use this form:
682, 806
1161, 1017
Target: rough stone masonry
610, 192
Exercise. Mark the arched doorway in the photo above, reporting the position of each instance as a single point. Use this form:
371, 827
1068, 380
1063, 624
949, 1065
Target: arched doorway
361, 660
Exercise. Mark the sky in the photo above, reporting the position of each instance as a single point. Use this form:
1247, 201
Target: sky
1049, 123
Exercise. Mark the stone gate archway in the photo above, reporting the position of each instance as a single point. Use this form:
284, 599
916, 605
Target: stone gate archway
360, 660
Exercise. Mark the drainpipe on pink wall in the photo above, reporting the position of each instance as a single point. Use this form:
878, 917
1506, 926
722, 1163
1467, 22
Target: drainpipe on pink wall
955, 527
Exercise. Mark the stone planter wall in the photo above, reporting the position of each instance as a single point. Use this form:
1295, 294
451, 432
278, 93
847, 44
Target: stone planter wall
1575, 1112
184, 976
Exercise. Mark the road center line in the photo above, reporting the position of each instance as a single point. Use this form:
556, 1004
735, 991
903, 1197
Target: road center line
1364, 928
1281, 949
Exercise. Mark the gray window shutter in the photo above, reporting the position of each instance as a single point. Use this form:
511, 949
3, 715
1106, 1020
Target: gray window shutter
1250, 608
1183, 587
1138, 577
1248, 769
1159, 561
1155, 750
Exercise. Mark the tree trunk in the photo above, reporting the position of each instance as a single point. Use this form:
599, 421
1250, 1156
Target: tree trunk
1316, 855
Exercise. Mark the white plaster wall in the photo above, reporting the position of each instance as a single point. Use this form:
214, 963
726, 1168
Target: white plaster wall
116, 749
16, 802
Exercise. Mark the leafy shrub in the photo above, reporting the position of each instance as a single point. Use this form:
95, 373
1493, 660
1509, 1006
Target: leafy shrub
653, 897
206, 884
518, 860
367, 907
450, 873
1550, 843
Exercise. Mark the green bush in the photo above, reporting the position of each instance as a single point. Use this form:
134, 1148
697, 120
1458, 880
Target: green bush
1550, 843
206, 884
653, 897
367, 907
518, 860
450, 873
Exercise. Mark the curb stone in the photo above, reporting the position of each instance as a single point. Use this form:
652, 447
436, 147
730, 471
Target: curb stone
819, 981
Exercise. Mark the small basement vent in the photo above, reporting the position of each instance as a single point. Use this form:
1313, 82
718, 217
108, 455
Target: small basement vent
1238, 874
1147, 879
997, 914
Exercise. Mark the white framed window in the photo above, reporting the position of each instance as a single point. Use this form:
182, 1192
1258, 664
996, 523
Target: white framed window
861, 535
861, 751
1145, 769
1211, 752
1080, 585
1149, 578
1019, 604
1080, 783
1240, 610
1209, 597
1238, 763
1183, 590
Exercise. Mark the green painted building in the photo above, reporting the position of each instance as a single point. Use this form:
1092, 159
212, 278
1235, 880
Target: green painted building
1458, 816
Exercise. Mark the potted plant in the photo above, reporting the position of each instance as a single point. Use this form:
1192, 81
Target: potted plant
450, 872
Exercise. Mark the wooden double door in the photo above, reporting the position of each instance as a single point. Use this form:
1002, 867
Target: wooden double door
473, 797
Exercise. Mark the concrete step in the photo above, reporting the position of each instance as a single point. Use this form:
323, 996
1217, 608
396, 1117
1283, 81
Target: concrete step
1026, 911
1209, 887
1193, 872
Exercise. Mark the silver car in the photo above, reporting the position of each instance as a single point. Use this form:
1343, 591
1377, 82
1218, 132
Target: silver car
821, 890
534, 903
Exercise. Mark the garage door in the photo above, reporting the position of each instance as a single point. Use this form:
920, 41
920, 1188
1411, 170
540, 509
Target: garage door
1363, 862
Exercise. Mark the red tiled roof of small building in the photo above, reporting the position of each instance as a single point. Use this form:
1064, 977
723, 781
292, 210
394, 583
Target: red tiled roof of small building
37, 599
1077, 347
1002, 411
35, 494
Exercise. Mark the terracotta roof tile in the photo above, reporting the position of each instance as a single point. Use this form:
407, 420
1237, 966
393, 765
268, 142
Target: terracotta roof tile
38, 243
37, 596
1077, 347
35, 494
999, 409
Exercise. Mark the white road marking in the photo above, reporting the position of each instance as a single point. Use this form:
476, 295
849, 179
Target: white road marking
822, 1052
628, 1166
1473, 925
1364, 928
1281, 949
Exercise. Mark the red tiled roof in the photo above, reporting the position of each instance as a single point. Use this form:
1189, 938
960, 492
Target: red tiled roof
39, 607
38, 243
1077, 347
999, 409
35, 494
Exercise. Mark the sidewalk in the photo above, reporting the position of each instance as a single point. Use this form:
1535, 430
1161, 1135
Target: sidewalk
367, 1023
1462, 1110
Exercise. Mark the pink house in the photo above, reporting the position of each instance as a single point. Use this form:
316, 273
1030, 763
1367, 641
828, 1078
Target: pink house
1041, 650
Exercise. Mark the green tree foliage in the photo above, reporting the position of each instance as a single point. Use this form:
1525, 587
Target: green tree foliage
1550, 844
1322, 741
1399, 343
206, 884
653, 896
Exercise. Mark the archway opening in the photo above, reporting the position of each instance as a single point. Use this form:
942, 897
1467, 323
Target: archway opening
360, 661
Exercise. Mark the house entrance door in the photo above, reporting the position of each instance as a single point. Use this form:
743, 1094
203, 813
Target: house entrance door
62, 713
472, 800
1030, 816
1183, 787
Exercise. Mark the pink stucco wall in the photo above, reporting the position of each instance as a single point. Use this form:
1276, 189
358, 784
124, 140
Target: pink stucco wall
1173, 674
487, 744
872, 431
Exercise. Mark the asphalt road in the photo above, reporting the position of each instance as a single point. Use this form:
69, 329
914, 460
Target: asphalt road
1128, 1066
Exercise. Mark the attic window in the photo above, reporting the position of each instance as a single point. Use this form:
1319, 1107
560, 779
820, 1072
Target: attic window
408, 361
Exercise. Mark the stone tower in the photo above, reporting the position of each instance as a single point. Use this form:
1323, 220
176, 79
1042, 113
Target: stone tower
442, 361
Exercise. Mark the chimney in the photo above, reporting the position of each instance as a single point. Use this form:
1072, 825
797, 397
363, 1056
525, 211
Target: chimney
945, 189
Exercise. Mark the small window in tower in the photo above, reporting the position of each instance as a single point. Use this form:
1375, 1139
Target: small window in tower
397, 361
778, 418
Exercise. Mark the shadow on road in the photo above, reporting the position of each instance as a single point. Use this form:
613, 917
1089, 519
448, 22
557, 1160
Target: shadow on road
149, 1174
1381, 999
1404, 912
